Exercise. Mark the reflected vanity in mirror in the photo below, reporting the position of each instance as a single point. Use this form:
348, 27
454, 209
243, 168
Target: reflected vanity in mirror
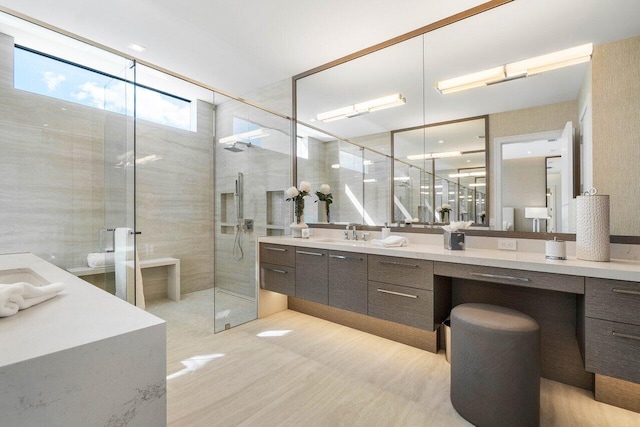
585, 107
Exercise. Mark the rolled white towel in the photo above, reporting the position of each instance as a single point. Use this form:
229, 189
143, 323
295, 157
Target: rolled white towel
391, 241
100, 259
21, 295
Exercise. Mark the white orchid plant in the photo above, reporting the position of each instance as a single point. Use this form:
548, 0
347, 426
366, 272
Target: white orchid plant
297, 197
445, 208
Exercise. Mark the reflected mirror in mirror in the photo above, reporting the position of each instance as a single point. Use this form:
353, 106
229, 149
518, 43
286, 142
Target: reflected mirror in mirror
440, 172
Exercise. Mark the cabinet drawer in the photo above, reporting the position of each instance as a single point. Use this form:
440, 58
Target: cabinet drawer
401, 304
613, 349
278, 278
613, 300
507, 276
348, 281
278, 254
416, 273
312, 276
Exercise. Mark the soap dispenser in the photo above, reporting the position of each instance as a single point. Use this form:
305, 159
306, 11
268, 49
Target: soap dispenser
386, 231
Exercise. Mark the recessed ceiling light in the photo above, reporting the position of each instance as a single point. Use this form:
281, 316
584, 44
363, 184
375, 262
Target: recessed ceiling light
468, 161
529, 152
440, 142
137, 47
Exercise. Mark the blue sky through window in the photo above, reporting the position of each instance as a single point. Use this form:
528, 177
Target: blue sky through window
58, 79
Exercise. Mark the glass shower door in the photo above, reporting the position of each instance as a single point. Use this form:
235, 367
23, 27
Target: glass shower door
117, 237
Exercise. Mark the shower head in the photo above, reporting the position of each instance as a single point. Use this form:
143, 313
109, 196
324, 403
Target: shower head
235, 149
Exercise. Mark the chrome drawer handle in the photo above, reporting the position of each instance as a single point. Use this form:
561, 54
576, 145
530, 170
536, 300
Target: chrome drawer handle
275, 270
631, 337
500, 276
399, 264
625, 291
345, 257
400, 294
276, 249
309, 253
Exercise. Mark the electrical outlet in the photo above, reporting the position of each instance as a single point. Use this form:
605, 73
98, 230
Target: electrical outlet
507, 244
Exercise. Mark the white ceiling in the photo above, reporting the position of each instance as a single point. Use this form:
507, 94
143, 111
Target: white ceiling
239, 46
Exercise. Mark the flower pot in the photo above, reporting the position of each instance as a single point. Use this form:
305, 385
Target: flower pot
323, 215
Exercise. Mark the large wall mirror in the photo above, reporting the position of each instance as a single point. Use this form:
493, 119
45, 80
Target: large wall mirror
519, 139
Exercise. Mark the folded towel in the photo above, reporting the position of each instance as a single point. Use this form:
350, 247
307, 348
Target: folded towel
100, 259
390, 242
21, 295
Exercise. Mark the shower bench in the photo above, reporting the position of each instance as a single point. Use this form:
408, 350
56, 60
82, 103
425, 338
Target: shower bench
173, 273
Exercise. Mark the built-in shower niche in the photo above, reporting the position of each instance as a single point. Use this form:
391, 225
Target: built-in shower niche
277, 213
227, 213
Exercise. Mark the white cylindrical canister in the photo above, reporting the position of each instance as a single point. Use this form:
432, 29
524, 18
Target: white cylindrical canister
555, 249
592, 228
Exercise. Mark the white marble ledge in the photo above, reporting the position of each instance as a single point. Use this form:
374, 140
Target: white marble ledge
615, 269
79, 315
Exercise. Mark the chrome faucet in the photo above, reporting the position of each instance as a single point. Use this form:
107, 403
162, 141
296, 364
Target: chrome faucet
364, 236
355, 233
346, 233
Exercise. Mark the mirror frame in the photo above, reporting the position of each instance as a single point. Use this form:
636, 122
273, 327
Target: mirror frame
487, 156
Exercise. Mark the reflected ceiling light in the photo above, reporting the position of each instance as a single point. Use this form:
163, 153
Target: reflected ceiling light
401, 178
518, 69
426, 156
439, 194
369, 180
336, 166
367, 162
280, 333
254, 134
425, 192
441, 142
478, 184
466, 174
437, 186
362, 108
424, 186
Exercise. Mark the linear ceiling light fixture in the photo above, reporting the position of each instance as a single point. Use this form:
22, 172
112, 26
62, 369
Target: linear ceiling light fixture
362, 108
519, 69
434, 155
254, 134
466, 174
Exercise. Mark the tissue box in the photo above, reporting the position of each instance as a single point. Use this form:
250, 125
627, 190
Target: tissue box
454, 240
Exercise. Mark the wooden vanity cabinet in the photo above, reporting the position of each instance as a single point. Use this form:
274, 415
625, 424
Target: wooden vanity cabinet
312, 275
348, 281
612, 328
277, 268
401, 290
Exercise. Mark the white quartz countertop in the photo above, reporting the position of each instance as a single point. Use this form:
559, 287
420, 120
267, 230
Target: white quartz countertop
81, 314
616, 269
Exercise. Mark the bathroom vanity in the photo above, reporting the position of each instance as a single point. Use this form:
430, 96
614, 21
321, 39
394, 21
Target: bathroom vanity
81, 358
588, 311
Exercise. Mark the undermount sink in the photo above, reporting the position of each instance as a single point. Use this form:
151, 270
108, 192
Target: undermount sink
343, 242
21, 275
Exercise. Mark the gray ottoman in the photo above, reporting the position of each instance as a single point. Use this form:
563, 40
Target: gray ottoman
495, 366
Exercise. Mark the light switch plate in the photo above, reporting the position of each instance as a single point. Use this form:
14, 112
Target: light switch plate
507, 244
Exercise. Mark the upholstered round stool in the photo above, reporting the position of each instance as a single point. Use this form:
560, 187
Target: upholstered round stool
495, 366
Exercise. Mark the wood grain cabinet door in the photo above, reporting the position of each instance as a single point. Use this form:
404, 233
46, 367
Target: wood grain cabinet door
278, 278
312, 274
348, 281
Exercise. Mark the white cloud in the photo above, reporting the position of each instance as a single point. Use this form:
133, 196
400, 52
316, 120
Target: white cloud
151, 105
53, 80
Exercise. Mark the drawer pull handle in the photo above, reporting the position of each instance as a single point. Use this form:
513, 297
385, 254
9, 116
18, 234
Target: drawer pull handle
625, 291
276, 270
400, 294
621, 335
500, 276
276, 249
345, 257
309, 253
399, 264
